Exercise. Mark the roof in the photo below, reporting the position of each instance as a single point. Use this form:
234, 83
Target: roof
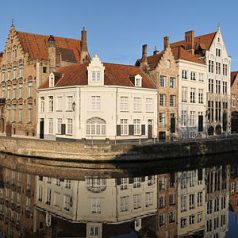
181, 53
115, 74
204, 41
36, 45
154, 59
1, 55
233, 77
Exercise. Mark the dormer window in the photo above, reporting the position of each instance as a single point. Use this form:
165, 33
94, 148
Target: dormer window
138, 81
51, 80
96, 76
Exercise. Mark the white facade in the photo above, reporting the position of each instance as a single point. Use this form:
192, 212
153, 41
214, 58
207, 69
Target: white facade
192, 98
218, 87
98, 111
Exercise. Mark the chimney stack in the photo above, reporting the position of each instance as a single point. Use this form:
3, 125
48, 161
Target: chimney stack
52, 53
189, 41
166, 42
144, 54
84, 55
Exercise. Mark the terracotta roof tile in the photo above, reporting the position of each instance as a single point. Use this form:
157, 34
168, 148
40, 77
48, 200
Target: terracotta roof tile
204, 41
154, 59
233, 77
181, 53
36, 45
115, 74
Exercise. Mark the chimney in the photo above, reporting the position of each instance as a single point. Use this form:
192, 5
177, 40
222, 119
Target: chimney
84, 55
144, 54
189, 41
166, 42
52, 53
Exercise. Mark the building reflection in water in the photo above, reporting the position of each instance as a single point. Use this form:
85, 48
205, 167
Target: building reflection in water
191, 203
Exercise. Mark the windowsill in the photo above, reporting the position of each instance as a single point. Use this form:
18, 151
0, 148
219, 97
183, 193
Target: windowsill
69, 111
125, 111
58, 110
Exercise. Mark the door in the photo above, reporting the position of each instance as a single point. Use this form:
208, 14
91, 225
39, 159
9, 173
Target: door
42, 128
150, 129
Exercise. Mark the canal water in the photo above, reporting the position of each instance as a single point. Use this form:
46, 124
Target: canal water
192, 197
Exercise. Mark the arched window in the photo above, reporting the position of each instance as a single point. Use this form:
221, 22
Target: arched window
95, 127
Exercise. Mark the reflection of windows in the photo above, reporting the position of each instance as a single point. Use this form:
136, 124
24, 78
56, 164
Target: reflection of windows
191, 201
149, 199
161, 220
124, 183
137, 182
137, 201
183, 203
124, 203
48, 197
40, 192
67, 183
95, 126
96, 206
171, 217
183, 222
68, 202
96, 184
199, 197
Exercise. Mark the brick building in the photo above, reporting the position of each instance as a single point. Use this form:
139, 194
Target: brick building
26, 63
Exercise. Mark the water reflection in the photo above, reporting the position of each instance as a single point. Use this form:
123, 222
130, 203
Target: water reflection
117, 203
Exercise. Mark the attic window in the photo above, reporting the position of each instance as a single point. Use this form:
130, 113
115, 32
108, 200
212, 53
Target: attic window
137, 82
96, 76
51, 80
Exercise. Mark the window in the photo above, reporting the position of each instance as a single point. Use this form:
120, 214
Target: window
172, 82
209, 207
68, 202
51, 108
137, 126
42, 104
224, 88
20, 107
137, 182
44, 69
30, 113
69, 127
20, 91
124, 104
14, 73
184, 118
8, 92
69, 103
162, 119
172, 101
148, 199
59, 124
96, 103
184, 94
162, 81
218, 86
218, 68
137, 82
20, 72
124, 126
50, 126
96, 76
211, 66
193, 76
137, 104
211, 85
124, 203
95, 126
218, 52
3, 92
184, 74
29, 89
136, 201
199, 198
14, 91
162, 100
149, 105
192, 118
225, 69
96, 206
191, 201
200, 77
14, 108
200, 96
193, 95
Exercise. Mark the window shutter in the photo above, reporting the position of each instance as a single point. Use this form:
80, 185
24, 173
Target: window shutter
143, 129
118, 130
131, 130
62, 129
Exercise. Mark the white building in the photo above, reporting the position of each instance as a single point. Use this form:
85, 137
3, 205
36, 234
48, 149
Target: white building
98, 101
192, 94
211, 48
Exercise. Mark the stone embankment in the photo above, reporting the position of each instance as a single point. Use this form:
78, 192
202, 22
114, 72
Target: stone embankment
78, 151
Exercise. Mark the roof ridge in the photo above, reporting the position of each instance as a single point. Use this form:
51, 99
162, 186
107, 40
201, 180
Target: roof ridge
37, 34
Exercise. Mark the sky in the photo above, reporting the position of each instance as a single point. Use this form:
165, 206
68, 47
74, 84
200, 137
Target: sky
117, 29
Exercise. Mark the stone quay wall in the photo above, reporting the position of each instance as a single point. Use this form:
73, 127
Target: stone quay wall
78, 151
